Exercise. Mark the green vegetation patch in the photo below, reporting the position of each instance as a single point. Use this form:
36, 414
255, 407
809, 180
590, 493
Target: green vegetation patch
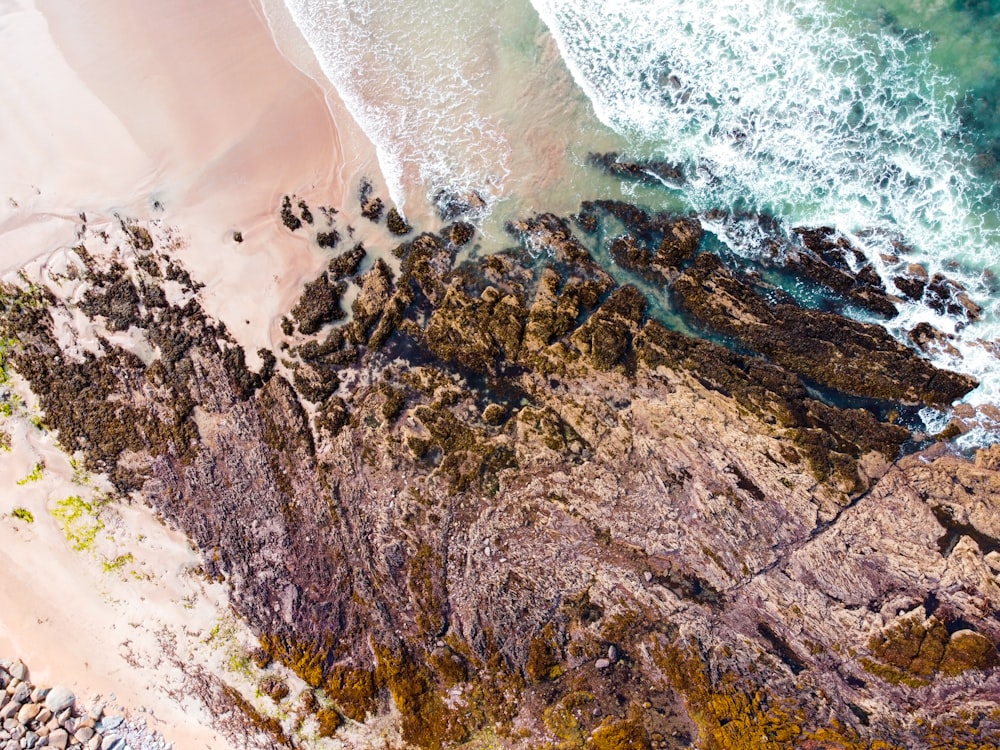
79, 522
36, 473
23, 514
119, 562
6, 344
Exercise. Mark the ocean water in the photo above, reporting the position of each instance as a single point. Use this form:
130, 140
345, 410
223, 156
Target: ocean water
881, 119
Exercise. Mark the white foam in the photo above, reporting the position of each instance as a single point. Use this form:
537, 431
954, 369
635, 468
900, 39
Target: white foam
416, 78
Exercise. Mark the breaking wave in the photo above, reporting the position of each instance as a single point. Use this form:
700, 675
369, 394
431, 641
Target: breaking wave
415, 77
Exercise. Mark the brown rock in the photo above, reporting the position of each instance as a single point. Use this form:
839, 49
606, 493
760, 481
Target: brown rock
58, 739
28, 712
852, 357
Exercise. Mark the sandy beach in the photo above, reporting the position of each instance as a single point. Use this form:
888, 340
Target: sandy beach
178, 111
186, 113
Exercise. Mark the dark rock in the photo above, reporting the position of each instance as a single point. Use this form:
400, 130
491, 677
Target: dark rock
648, 172
681, 238
854, 358
305, 213
927, 338
396, 223
327, 240
288, 217
371, 207
606, 338
461, 233
118, 302
825, 262
945, 296
911, 287
319, 304
451, 205
628, 253
346, 264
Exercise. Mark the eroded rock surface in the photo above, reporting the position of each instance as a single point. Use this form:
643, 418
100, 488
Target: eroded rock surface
503, 498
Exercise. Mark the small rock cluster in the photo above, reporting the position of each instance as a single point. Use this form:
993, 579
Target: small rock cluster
36, 717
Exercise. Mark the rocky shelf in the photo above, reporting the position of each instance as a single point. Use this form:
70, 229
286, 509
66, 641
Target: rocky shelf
504, 500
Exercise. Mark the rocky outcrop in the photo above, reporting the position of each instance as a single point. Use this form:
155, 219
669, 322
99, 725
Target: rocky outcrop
827, 260
855, 358
650, 172
518, 503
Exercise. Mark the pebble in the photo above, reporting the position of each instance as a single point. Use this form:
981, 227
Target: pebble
111, 722
83, 734
10, 710
22, 693
18, 670
59, 739
39, 717
602, 663
648, 576
612, 653
28, 712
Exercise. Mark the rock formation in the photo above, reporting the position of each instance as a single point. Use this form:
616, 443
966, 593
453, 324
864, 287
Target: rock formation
506, 499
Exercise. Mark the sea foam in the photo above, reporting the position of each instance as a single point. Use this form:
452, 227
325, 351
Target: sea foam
415, 78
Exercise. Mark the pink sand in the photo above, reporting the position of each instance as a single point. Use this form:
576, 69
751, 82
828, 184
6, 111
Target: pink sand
110, 105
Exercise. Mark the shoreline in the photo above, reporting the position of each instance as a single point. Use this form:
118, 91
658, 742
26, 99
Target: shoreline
206, 141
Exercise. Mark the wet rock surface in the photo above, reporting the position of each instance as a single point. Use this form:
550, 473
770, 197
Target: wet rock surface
854, 358
505, 497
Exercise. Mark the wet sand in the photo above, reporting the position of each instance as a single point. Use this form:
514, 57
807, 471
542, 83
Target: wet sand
180, 111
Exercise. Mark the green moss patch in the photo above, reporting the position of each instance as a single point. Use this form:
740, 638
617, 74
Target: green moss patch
78, 521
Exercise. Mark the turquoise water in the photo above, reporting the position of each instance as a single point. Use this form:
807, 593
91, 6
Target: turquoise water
881, 119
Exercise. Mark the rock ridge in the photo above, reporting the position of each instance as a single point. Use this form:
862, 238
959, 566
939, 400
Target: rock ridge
504, 497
